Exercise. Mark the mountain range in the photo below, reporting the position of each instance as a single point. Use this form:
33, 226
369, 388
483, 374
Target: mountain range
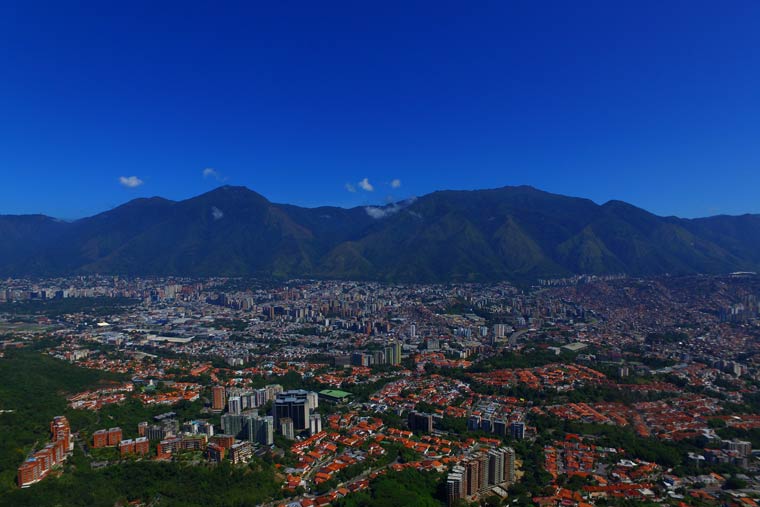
509, 233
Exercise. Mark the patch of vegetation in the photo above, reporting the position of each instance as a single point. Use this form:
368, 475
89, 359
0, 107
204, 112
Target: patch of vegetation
34, 386
97, 306
407, 487
159, 484
230, 324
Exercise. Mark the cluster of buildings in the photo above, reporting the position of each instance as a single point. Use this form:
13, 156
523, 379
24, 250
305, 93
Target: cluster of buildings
106, 438
500, 427
42, 462
734, 452
112, 437
295, 412
97, 399
655, 339
239, 399
560, 377
249, 426
485, 471
389, 354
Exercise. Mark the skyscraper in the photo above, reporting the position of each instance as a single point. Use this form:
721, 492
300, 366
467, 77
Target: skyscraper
315, 424
393, 353
234, 405
261, 430
296, 405
286, 428
517, 430
495, 467
456, 484
473, 471
509, 464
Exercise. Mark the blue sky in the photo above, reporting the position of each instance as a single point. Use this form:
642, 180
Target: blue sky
651, 102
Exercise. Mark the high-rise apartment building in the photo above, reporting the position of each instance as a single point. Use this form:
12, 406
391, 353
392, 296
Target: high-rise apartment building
456, 484
218, 398
296, 405
234, 405
419, 421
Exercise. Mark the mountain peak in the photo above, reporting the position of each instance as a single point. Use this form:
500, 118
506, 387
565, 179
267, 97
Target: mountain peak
229, 194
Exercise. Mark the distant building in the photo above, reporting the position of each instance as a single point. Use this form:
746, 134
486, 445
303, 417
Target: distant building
495, 467
234, 405
127, 447
361, 359
509, 464
419, 421
315, 424
99, 439
142, 446
215, 453
286, 428
106, 438
517, 430
393, 353
334, 395
218, 398
224, 441
476, 475
296, 405
499, 427
432, 344
198, 428
261, 430
155, 432
233, 424
241, 452
740, 447
61, 431
36, 467
455, 485
28, 473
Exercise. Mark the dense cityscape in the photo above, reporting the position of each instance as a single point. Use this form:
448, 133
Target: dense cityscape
590, 390
380, 254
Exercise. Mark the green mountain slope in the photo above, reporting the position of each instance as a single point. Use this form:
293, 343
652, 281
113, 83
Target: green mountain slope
504, 233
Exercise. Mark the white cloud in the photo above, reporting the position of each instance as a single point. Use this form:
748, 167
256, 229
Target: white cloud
366, 185
216, 213
378, 212
396, 183
210, 172
391, 209
350, 187
130, 181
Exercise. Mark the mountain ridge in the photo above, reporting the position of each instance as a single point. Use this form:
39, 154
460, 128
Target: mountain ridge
510, 233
